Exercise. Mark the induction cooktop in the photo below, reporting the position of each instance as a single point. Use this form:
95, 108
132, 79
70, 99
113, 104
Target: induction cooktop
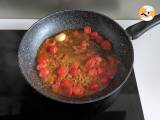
18, 100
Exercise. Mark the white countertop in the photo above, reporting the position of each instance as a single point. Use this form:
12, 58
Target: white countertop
146, 63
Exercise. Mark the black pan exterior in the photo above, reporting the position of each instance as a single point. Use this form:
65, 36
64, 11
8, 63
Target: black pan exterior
71, 19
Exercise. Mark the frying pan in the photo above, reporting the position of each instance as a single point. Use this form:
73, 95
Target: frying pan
72, 19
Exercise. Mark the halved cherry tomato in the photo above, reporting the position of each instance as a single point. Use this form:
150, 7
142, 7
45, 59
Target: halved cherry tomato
41, 66
43, 73
55, 87
112, 60
94, 86
75, 33
93, 60
69, 91
42, 59
67, 40
66, 83
52, 49
100, 70
84, 44
63, 56
78, 90
96, 71
87, 29
106, 45
99, 39
74, 66
111, 72
104, 79
52, 60
94, 34
62, 71
74, 69
92, 71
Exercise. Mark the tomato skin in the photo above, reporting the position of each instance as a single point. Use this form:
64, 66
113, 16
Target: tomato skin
104, 79
69, 91
67, 40
93, 61
94, 86
113, 60
99, 70
75, 33
63, 57
52, 49
99, 39
42, 59
106, 45
84, 44
41, 66
62, 71
111, 72
52, 61
74, 69
55, 87
92, 72
87, 29
66, 83
74, 66
78, 90
95, 34
43, 73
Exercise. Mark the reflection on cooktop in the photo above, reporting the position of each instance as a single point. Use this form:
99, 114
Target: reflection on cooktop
18, 99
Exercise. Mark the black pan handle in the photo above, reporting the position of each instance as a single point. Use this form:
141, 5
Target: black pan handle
139, 28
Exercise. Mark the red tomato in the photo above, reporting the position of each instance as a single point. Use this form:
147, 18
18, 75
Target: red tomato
66, 83
52, 61
94, 86
94, 34
84, 44
68, 40
52, 49
93, 60
75, 47
74, 66
87, 29
106, 45
99, 70
43, 73
113, 60
92, 72
99, 39
41, 66
75, 33
75, 72
111, 72
104, 79
104, 64
74, 69
55, 87
78, 90
42, 59
62, 71
63, 56
68, 91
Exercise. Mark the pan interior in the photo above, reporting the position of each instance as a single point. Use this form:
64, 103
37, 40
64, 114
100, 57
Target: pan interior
61, 21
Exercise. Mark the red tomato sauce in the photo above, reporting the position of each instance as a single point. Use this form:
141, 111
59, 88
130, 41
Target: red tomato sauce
81, 64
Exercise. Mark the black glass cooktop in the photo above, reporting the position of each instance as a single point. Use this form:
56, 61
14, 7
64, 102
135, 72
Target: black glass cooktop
18, 100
